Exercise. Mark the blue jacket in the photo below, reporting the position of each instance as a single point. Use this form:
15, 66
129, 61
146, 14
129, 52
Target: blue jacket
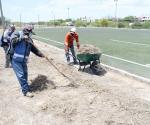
22, 48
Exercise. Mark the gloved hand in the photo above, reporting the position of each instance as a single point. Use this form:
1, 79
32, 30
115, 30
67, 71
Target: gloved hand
33, 33
42, 55
66, 48
26, 38
78, 46
15, 40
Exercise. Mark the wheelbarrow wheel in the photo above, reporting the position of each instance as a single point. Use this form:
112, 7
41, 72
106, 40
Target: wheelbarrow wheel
96, 68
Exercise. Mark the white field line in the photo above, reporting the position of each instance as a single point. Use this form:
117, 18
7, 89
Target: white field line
126, 73
50, 40
141, 44
147, 65
114, 57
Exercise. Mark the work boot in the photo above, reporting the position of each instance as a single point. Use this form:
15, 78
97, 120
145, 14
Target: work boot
29, 94
68, 62
6, 66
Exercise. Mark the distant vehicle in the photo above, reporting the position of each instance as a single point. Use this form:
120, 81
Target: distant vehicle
130, 24
69, 24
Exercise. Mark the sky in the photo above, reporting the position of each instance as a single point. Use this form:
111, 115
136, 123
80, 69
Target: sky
44, 10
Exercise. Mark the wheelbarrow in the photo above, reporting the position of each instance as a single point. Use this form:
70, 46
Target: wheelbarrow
90, 59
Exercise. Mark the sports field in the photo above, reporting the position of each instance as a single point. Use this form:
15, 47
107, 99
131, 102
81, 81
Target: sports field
125, 49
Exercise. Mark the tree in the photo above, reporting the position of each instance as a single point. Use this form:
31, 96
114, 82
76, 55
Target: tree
80, 22
104, 22
146, 25
1, 20
97, 23
121, 25
129, 19
41, 23
137, 25
68, 20
100, 23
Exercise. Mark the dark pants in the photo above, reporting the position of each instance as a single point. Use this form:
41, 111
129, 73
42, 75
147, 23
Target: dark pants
21, 72
7, 56
73, 54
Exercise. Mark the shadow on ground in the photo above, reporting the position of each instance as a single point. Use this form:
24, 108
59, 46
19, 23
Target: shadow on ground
41, 83
100, 72
96, 70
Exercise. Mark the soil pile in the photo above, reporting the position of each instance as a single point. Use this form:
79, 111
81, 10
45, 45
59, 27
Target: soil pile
40, 83
88, 49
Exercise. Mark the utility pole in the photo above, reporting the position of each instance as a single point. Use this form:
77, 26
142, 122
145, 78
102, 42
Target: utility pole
68, 13
116, 18
2, 17
20, 20
53, 17
38, 18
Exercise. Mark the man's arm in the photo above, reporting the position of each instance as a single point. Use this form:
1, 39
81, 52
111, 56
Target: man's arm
77, 40
66, 42
36, 51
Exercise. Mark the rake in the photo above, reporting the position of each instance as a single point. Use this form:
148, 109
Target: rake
72, 84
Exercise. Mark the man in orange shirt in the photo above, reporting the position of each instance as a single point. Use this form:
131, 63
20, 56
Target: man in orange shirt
69, 39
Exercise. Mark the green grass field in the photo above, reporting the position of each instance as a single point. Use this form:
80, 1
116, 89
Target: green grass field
125, 49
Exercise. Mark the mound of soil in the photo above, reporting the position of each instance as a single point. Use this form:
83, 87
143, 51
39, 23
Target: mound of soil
40, 83
88, 49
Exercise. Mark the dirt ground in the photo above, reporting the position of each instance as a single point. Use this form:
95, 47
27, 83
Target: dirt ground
84, 99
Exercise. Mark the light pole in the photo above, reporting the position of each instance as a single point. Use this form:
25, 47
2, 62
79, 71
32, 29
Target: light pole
53, 17
20, 20
68, 13
2, 17
38, 18
116, 18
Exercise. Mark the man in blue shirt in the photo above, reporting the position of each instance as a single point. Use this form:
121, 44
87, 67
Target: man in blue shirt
21, 46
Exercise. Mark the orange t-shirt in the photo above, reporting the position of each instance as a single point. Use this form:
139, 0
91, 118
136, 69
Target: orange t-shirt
70, 38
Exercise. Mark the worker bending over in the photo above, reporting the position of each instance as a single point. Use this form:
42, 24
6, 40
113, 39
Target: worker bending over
69, 46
